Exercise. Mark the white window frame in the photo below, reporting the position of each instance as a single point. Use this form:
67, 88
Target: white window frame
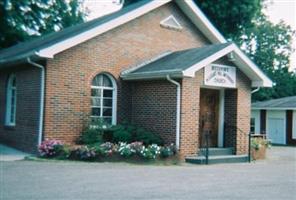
9, 119
114, 97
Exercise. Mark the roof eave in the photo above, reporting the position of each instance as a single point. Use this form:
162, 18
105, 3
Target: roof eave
151, 75
19, 60
51, 51
273, 108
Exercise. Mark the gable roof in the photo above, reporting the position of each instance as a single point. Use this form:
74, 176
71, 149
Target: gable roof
21, 51
175, 63
286, 103
52, 44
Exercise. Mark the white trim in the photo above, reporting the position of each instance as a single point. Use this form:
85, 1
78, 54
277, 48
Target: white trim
242, 60
42, 95
114, 97
9, 89
272, 108
164, 23
190, 72
192, 11
49, 52
201, 21
178, 111
221, 118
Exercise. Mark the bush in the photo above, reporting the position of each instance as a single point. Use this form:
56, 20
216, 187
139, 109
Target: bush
137, 147
85, 153
125, 150
122, 135
108, 148
151, 152
148, 138
53, 148
168, 151
91, 136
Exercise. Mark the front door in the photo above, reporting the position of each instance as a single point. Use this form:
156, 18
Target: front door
209, 117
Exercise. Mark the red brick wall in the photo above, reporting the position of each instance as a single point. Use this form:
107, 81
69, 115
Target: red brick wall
70, 73
189, 141
230, 117
237, 114
24, 135
154, 108
243, 112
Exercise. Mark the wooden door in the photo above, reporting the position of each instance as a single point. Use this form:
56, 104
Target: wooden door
209, 116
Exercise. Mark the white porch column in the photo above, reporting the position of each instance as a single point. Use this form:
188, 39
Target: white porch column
221, 118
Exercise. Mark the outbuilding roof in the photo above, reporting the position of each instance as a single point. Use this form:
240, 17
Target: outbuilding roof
286, 103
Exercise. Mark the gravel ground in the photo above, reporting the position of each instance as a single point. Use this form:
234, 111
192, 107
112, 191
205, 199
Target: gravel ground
273, 179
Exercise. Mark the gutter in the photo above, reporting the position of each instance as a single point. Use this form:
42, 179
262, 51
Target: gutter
178, 110
42, 92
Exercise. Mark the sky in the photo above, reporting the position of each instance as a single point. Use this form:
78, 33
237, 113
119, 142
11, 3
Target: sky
285, 10
276, 10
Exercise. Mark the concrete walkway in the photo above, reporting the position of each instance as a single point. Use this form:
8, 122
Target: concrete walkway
10, 154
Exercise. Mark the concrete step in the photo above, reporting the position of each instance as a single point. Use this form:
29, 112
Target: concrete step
218, 159
218, 152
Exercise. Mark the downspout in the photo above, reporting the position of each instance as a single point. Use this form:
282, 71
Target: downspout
41, 111
178, 110
256, 90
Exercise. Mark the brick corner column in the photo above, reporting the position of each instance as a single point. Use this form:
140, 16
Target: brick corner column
189, 141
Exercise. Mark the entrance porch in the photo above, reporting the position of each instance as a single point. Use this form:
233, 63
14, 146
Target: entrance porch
192, 92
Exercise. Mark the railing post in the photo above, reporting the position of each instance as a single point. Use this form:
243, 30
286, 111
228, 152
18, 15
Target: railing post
249, 156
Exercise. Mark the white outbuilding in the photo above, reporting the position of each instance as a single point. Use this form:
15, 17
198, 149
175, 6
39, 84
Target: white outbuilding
276, 118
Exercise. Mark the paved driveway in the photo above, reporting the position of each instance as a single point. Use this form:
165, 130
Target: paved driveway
274, 178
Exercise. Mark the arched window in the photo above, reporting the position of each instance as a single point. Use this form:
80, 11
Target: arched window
11, 101
103, 98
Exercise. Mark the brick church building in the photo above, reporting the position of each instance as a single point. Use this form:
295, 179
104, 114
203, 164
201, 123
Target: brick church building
159, 64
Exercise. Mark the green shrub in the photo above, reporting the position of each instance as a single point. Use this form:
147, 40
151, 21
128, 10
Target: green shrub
167, 151
122, 135
91, 136
85, 153
148, 137
151, 152
125, 150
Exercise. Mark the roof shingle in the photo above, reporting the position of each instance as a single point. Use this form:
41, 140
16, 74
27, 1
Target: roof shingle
286, 102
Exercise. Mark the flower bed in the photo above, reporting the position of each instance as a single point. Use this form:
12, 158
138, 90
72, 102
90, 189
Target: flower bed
135, 151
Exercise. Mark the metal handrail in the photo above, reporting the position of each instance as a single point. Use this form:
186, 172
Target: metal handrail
204, 149
247, 134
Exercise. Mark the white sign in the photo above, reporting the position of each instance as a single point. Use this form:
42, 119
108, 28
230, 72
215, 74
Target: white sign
220, 76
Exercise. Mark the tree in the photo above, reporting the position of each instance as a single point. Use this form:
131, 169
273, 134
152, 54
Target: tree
26, 19
267, 44
231, 17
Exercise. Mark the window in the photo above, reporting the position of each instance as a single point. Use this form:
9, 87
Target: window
252, 125
103, 98
11, 101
